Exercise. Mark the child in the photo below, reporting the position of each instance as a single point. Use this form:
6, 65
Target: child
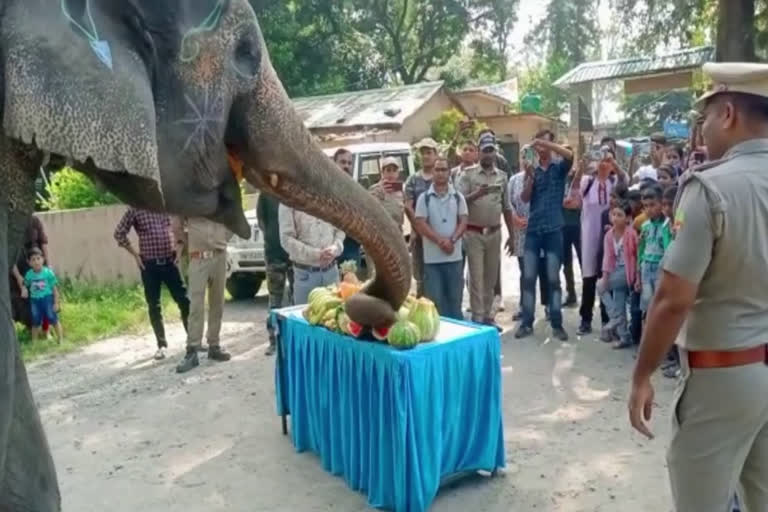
655, 236
667, 203
619, 273
41, 286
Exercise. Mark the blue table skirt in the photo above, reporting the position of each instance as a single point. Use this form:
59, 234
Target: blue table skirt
393, 423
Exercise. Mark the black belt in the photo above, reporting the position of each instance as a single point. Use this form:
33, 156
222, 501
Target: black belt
309, 268
160, 262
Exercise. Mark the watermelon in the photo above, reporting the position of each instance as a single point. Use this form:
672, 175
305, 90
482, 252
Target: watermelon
354, 329
380, 333
404, 335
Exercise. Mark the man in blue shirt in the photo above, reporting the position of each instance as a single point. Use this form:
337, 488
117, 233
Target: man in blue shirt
544, 189
441, 219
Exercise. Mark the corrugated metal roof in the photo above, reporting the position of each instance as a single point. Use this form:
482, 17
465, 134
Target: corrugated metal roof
626, 68
377, 107
505, 91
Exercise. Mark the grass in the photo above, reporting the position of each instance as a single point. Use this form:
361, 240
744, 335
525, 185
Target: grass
91, 312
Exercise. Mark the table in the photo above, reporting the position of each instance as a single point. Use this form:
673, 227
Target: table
392, 423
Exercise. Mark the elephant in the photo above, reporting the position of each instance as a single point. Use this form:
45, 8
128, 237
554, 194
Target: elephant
155, 100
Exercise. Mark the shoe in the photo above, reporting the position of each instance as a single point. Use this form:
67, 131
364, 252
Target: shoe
583, 329
571, 302
672, 372
669, 363
218, 354
270, 350
606, 336
560, 334
160, 354
202, 348
523, 332
189, 362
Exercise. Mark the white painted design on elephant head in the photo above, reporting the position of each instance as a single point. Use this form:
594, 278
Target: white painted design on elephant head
190, 49
206, 121
99, 46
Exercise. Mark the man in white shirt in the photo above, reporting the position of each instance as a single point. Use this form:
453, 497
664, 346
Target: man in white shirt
313, 246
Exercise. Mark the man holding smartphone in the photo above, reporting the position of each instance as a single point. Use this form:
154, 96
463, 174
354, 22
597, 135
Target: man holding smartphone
484, 188
544, 189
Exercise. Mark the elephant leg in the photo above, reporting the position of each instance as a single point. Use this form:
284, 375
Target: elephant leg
27, 475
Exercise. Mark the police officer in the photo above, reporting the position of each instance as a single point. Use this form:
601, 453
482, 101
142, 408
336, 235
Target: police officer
484, 187
715, 282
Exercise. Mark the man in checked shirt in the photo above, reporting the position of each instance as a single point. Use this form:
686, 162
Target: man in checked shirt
157, 259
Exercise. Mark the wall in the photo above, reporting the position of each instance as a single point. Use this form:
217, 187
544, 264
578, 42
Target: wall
81, 243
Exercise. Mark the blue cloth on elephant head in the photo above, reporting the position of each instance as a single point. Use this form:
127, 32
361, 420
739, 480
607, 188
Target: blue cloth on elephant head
103, 52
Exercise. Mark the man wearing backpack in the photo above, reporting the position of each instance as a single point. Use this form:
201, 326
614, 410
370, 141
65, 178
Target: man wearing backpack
484, 188
441, 219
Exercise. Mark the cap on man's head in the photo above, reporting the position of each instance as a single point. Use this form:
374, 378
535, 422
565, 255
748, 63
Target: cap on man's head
427, 142
659, 138
390, 161
487, 140
736, 77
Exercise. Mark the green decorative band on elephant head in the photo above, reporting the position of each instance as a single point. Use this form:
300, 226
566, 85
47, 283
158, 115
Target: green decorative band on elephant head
190, 49
100, 47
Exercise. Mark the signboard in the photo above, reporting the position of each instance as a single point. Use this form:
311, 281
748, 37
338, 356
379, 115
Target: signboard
676, 129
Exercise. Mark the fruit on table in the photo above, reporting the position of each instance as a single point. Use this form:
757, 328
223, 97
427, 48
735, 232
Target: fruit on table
404, 335
425, 316
380, 333
346, 289
348, 270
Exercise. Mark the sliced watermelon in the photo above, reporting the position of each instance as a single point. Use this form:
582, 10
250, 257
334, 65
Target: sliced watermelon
380, 333
354, 329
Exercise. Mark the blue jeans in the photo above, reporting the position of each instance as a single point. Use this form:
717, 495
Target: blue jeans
649, 275
552, 245
615, 299
304, 281
42, 308
444, 285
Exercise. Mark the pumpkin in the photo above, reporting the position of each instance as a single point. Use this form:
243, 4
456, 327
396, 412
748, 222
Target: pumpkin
424, 315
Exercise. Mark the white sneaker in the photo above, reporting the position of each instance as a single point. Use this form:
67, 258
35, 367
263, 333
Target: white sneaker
160, 354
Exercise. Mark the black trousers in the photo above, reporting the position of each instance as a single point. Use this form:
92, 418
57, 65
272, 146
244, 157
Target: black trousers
588, 293
155, 274
571, 242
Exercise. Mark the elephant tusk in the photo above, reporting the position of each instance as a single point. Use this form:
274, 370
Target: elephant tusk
274, 179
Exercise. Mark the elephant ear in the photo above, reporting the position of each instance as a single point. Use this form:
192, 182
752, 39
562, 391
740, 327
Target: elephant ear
76, 86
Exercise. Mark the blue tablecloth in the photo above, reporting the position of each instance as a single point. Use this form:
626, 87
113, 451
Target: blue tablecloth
393, 423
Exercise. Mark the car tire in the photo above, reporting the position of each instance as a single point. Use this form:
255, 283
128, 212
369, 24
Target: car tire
244, 286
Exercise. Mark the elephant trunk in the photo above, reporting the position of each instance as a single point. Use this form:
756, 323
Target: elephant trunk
281, 158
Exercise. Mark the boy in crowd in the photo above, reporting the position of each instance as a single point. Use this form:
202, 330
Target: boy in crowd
671, 367
655, 237
441, 219
42, 288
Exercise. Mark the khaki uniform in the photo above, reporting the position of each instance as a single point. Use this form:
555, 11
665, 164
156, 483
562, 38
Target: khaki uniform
207, 246
720, 433
483, 247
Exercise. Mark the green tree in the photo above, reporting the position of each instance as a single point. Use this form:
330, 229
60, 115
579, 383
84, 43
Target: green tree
69, 189
646, 113
567, 36
539, 80
738, 27
490, 45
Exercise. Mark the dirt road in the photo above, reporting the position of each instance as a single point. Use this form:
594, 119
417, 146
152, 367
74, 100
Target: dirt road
128, 434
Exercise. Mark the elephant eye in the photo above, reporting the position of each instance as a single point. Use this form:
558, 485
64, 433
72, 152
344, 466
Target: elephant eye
246, 58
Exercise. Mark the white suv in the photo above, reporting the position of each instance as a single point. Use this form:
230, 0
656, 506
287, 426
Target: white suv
246, 267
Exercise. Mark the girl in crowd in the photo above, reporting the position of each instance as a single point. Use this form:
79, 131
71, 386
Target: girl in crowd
619, 273
596, 190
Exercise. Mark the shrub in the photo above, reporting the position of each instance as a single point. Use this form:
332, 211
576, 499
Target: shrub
70, 189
